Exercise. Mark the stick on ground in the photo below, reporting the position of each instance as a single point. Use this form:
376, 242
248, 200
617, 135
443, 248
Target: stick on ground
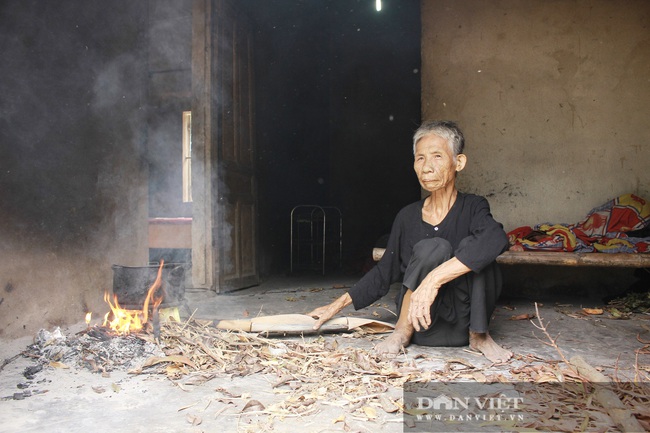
606, 397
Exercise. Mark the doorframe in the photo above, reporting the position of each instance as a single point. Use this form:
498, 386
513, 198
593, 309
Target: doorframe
203, 130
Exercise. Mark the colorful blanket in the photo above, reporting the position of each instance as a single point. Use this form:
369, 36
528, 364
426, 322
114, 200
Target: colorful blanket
621, 225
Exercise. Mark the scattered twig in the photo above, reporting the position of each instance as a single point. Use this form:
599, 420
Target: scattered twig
389, 310
259, 313
553, 341
189, 319
8, 361
637, 370
638, 337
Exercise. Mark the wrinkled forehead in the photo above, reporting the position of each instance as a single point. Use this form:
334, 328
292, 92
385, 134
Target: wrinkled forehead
431, 142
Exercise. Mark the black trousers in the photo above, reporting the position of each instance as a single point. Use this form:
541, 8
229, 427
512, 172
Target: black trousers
463, 304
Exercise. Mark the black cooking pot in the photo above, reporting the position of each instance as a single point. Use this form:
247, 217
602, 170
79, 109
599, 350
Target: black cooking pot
131, 284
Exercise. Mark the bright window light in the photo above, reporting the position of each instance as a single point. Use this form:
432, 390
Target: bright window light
187, 156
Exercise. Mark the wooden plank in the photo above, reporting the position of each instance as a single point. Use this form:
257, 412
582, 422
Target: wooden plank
552, 258
560, 258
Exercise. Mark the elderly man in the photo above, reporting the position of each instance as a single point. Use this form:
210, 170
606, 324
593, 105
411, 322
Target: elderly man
445, 247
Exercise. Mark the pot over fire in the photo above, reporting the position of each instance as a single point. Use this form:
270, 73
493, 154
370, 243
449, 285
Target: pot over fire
131, 284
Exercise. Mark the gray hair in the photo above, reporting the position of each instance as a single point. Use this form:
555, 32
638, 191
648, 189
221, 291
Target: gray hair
445, 129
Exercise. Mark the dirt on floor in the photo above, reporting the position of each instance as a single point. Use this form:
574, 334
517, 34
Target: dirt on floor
195, 378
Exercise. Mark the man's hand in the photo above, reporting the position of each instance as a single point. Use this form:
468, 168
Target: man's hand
420, 307
422, 298
325, 313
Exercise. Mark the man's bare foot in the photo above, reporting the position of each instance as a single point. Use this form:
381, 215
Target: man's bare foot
394, 343
484, 343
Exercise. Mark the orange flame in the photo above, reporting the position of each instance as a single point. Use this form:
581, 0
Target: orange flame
127, 321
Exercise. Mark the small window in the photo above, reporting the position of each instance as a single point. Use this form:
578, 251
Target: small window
187, 156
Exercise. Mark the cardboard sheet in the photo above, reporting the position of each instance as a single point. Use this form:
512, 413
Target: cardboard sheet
291, 324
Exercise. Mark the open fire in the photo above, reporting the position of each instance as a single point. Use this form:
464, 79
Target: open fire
125, 321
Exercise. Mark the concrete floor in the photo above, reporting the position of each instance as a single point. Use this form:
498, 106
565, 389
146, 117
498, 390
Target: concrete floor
143, 403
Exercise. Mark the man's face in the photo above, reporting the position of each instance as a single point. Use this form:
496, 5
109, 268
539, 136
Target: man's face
434, 163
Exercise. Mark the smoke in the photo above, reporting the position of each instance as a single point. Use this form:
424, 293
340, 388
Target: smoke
72, 118
71, 81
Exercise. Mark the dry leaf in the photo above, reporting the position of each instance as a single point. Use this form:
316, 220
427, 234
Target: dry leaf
173, 370
479, 377
115, 387
57, 364
525, 316
370, 412
228, 393
252, 406
460, 361
387, 404
174, 358
339, 419
193, 419
98, 389
593, 311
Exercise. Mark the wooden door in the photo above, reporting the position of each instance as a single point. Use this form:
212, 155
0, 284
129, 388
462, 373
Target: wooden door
237, 204
226, 227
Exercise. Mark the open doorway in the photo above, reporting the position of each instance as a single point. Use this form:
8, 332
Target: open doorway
337, 89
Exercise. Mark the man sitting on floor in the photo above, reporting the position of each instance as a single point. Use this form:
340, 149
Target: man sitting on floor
445, 246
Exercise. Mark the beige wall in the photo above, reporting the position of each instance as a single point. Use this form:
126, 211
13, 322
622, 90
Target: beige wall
553, 97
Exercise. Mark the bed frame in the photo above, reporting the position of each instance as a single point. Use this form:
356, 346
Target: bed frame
553, 258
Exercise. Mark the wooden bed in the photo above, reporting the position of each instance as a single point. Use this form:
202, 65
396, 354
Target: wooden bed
552, 258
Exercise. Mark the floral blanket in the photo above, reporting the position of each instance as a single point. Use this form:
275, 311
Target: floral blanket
621, 225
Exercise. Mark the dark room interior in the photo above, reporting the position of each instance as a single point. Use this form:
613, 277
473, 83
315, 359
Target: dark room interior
337, 98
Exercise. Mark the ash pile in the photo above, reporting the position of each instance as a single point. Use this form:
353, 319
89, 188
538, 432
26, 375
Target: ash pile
94, 349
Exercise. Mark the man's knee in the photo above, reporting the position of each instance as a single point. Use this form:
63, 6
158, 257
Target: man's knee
435, 249
426, 256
